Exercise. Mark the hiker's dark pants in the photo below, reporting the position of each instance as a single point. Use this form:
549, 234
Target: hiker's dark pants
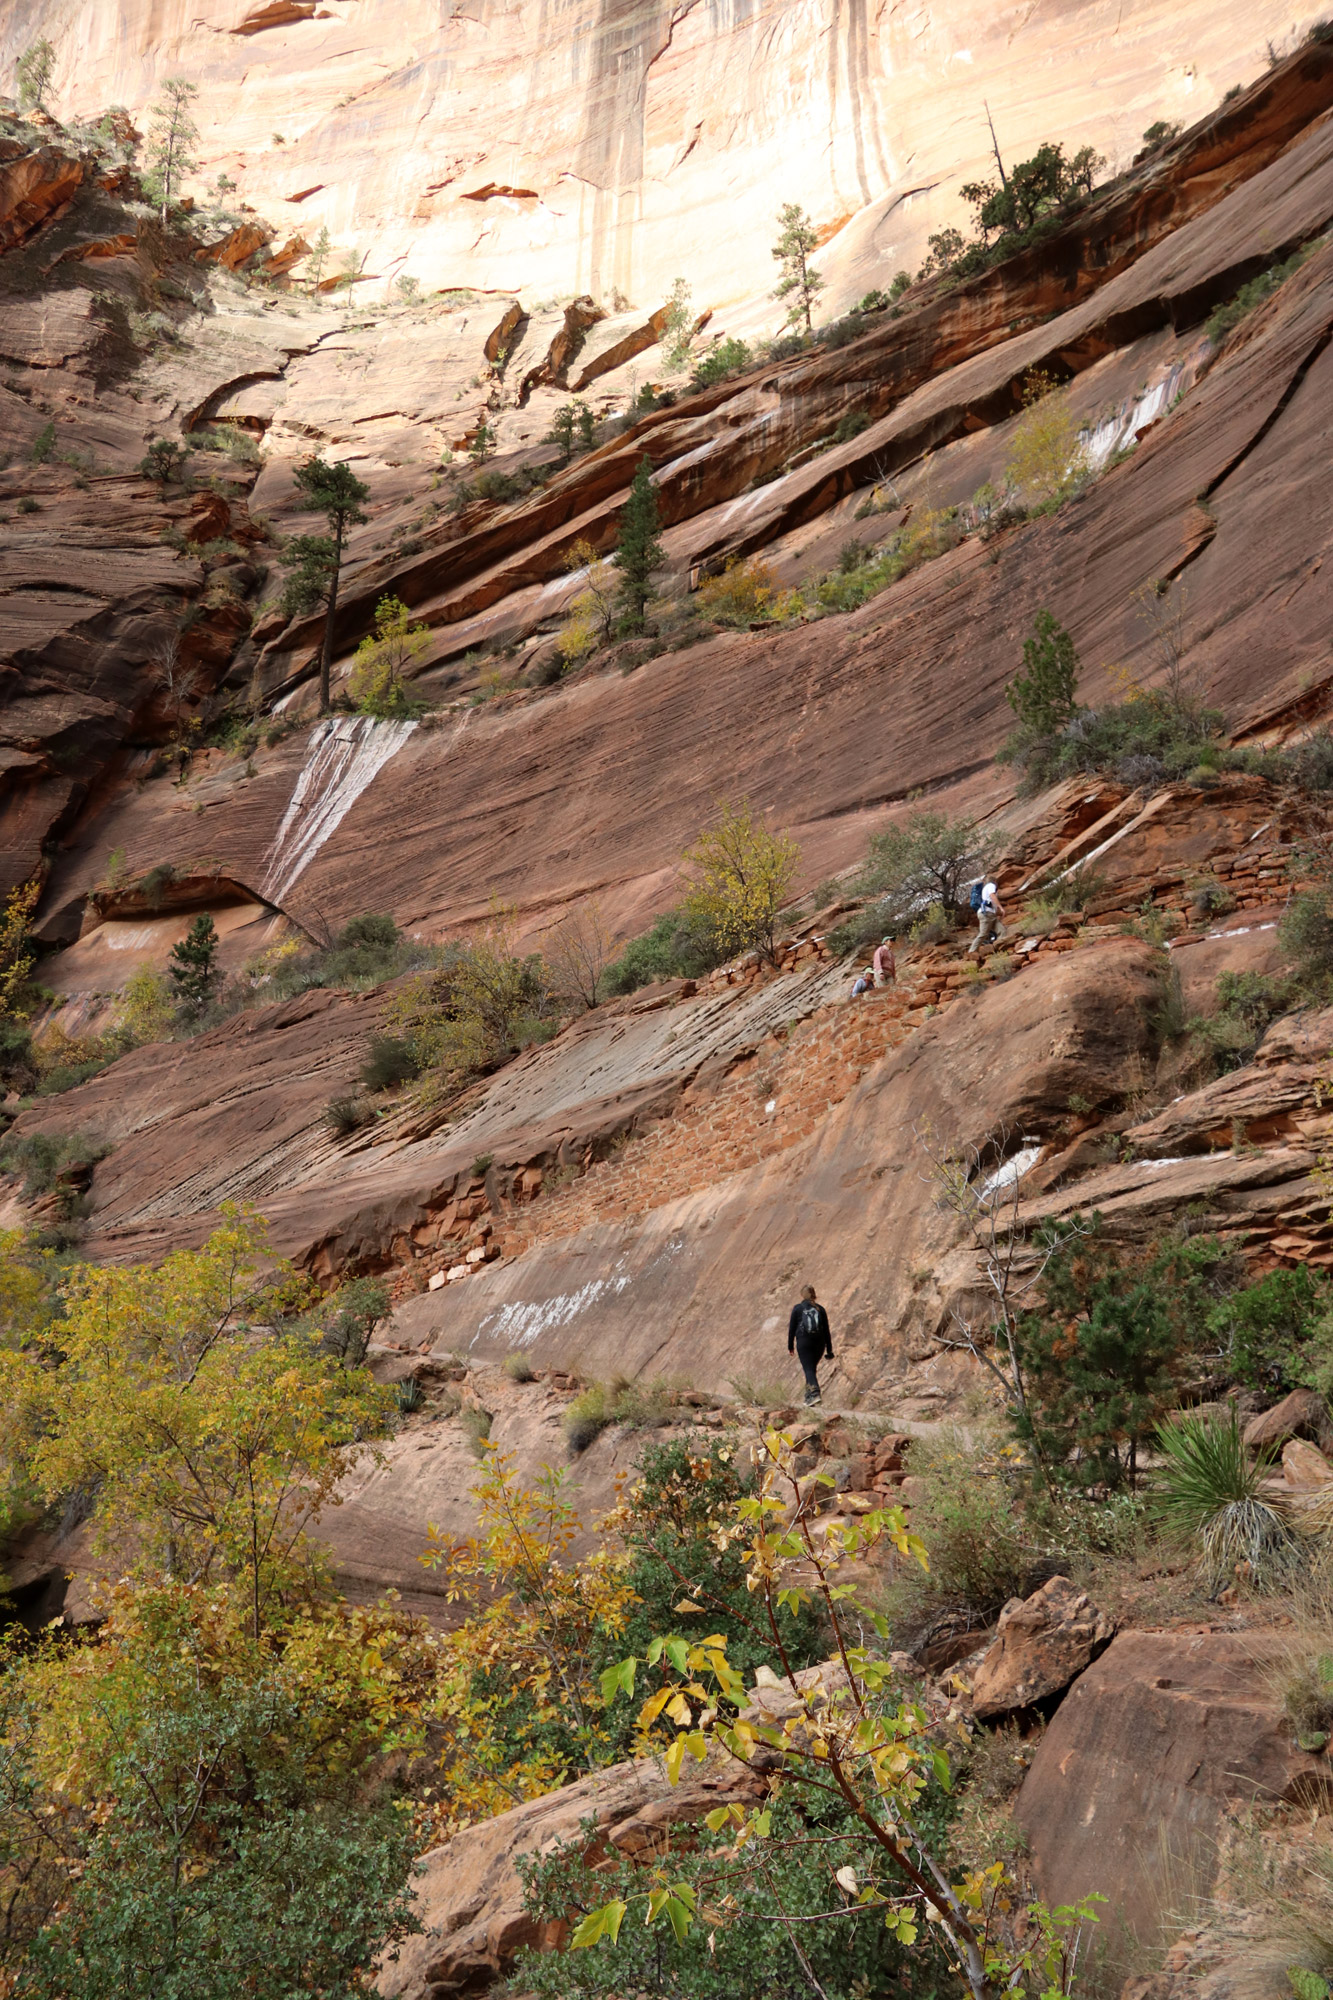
810, 1355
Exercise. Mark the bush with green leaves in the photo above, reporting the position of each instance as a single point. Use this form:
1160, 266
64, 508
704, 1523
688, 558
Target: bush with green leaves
392, 1060
913, 869
1107, 1343
1247, 1002
1146, 740
729, 357
1213, 1494
364, 954
675, 948
1305, 933
1223, 318
983, 1548
229, 1827
772, 1891
684, 1493
45, 1160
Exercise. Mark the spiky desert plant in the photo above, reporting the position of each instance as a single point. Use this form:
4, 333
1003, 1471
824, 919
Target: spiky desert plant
1213, 1493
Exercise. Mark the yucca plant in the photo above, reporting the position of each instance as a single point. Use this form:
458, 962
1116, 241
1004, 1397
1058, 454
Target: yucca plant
409, 1394
1212, 1492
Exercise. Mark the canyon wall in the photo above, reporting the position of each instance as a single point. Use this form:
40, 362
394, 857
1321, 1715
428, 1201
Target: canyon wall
608, 146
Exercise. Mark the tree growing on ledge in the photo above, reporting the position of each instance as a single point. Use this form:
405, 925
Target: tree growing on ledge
35, 71
800, 282
194, 970
638, 552
738, 876
314, 562
170, 138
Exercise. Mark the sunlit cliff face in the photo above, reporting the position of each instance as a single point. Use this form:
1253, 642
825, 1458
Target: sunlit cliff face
603, 146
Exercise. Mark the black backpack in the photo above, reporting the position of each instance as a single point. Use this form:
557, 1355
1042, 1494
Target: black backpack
808, 1327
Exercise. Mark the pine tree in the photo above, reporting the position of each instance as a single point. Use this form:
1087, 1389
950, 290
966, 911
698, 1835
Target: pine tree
792, 250
337, 493
193, 969
678, 327
483, 444
36, 69
562, 431
172, 134
319, 256
1043, 697
638, 552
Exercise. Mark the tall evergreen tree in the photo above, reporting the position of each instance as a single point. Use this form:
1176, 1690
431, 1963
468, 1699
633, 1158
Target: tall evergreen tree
36, 69
170, 138
1043, 697
316, 560
638, 552
800, 281
193, 969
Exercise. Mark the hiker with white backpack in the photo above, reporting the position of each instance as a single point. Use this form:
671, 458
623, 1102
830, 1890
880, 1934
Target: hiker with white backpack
989, 912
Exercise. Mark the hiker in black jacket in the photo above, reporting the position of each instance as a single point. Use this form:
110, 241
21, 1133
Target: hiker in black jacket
808, 1333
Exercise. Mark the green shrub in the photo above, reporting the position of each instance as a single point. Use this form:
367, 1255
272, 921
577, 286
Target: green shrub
1306, 935
771, 1945
1252, 295
518, 1368
981, 1547
1211, 1493
635, 1405
44, 444
1247, 1002
674, 948
347, 1114
475, 1425
1107, 1344
729, 357
392, 1060
27, 505
409, 1395
344, 1323
366, 953
46, 1159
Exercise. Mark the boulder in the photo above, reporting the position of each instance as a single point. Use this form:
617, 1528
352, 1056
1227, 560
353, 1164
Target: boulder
1041, 1643
1302, 1414
469, 1895
1304, 1467
1143, 1759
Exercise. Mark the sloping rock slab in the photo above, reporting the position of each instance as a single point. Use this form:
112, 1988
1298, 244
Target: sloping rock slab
470, 1896
1042, 1643
1300, 1414
1143, 1758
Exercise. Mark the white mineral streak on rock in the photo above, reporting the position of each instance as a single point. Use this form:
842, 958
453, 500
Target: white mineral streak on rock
1012, 1170
521, 1323
345, 754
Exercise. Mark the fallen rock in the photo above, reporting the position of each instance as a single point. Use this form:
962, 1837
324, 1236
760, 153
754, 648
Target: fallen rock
1146, 1754
1041, 1644
469, 1895
1304, 1467
1302, 1414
